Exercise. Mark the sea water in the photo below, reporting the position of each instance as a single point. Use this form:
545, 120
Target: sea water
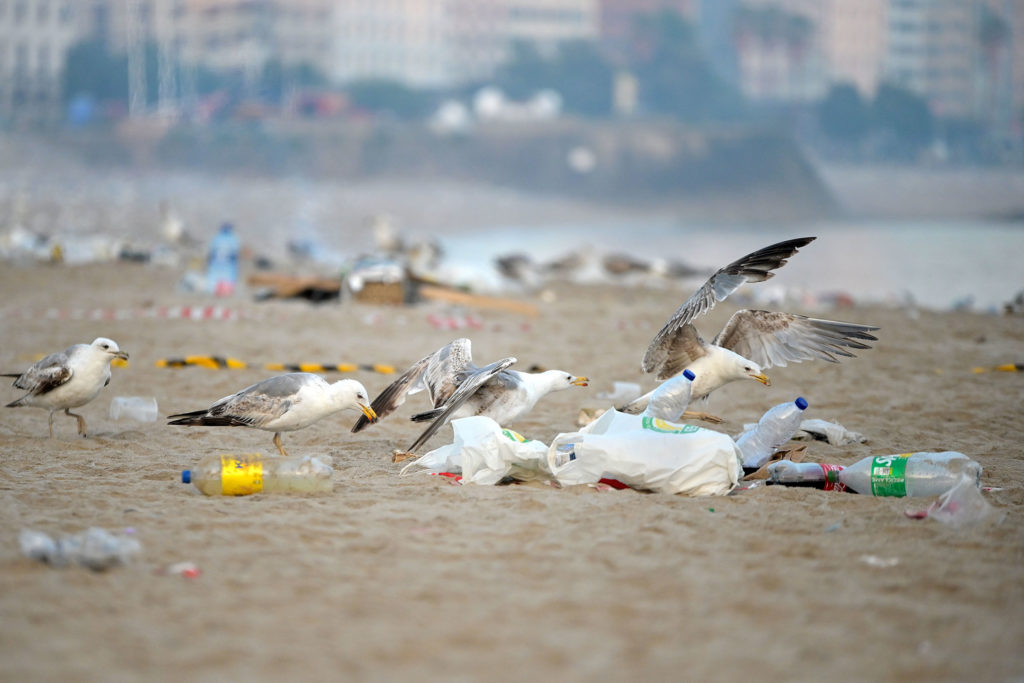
934, 264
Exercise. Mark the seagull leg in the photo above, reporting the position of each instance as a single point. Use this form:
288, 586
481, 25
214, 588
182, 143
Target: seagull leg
81, 420
706, 417
277, 442
51, 424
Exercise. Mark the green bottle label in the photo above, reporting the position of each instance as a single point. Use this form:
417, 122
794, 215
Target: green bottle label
656, 425
889, 475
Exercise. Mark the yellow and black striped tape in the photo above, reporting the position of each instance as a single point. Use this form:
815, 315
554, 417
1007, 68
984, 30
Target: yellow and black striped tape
1006, 367
219, 362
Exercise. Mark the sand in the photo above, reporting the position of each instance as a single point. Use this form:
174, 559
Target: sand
414, 578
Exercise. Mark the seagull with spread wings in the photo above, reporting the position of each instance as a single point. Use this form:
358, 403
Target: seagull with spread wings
751, 341
457, 387
68, 379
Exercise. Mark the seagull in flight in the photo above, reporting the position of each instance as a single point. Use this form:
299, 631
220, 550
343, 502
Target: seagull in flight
457, 387
752, 340
68, 379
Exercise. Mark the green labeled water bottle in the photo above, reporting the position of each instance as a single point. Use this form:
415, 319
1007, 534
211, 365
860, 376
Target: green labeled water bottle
247, 473
909, 474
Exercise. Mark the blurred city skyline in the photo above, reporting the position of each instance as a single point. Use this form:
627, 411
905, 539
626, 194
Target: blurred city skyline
941, 70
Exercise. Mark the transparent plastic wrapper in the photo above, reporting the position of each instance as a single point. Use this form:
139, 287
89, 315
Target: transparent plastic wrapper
139, 408
248, 473
486, 453
95, 548
962, 505
647, 453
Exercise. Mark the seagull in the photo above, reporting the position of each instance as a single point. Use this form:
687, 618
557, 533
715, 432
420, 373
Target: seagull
459, 388
68, 379
281, 404
751, 341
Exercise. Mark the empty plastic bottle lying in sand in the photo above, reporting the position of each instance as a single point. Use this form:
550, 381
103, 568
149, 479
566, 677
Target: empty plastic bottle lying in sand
247, 473
819, 475
909, 474
776, 427
95, 548
139, 408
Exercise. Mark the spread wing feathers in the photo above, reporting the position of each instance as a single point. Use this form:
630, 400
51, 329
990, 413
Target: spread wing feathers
754, 267
467, 389
774, 339
439, 373
676, 351
46, 375
252, 407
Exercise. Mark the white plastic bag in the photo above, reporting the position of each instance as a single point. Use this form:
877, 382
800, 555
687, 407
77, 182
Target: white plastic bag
485, 453
647, 453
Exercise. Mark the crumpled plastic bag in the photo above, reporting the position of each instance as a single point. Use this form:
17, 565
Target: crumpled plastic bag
962, 505
485, 453
647, 453
832, 432
95, 548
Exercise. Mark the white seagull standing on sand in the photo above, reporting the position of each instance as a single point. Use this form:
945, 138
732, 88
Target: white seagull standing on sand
458, 388
68, 379
281, 404
751, 341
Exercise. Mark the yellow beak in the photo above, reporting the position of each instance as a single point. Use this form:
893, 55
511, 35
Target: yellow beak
368, 412
581, 382
763, 379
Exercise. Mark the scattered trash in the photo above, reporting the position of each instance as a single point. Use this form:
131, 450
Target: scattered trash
880, 562
1006, 367
219, 362
775, 428
189, 570
832, 432
588, 415
95, 548
241, 475
961, 505
649, 454
138, 408
909, 474
819, 475
222, 261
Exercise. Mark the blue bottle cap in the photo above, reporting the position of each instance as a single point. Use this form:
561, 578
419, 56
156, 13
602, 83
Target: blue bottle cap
186, 476
801, 403
688, 374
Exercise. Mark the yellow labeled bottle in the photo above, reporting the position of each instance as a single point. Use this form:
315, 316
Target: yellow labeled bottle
247, 473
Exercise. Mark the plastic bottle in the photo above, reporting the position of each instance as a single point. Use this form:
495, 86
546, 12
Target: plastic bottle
241, 475
222, 261
670, 400
909, 474
819, 475
775, 428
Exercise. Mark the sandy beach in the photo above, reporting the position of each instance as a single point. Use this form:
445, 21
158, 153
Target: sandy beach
413, 578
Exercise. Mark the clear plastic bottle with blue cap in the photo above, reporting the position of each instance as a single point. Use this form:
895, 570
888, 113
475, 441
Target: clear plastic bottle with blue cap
670, 400
248, 473
776, 427
222, 261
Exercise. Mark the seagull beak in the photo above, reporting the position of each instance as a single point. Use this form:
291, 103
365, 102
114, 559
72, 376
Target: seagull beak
121, 354
368, 412
580, 382
763, 379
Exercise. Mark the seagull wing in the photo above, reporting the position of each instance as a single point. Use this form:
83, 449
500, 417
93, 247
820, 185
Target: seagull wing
677, 350
46, 375
253, 406
771, 338
754, 267
468, 388
439, 373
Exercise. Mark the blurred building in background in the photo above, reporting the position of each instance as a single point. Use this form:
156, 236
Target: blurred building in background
965, 58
